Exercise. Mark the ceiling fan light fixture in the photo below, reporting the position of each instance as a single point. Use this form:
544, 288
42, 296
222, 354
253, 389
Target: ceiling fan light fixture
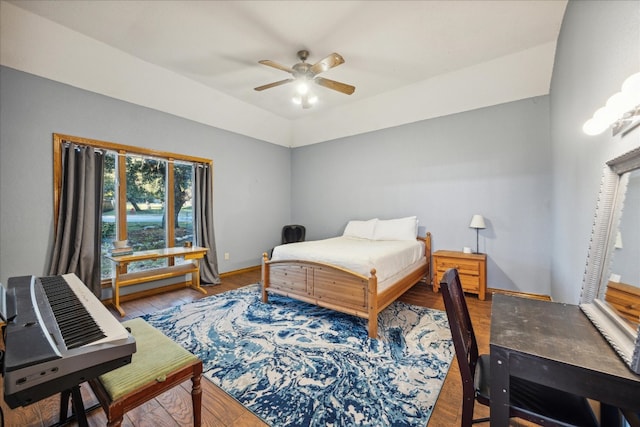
302, 88
306, 100
303, 74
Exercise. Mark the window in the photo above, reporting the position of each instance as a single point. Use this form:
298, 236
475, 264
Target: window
145, 179
109, 213
147, 199
183, 202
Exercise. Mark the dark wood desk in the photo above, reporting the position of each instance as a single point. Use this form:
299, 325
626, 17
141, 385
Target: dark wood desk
554, 344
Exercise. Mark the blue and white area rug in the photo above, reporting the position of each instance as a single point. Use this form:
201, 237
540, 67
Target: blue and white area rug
295, 364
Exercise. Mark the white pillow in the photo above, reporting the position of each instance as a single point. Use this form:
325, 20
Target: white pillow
361, 229
397, 229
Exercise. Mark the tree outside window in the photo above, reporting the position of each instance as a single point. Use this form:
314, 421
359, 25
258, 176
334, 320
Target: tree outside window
146, 225
183, 203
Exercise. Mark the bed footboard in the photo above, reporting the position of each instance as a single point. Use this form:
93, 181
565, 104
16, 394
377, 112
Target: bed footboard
320, 284
337, 288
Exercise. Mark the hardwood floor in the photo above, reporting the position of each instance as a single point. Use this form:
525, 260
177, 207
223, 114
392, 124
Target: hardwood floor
218, 409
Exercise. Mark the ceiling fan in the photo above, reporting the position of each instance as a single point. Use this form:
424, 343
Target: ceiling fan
304, 73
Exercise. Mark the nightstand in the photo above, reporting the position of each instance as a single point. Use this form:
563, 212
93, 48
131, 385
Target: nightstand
472, 269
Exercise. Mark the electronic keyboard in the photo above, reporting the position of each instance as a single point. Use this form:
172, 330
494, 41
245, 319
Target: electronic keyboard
58, 335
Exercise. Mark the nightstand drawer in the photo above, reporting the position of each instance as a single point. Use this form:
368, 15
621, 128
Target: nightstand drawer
470, 283
463, 266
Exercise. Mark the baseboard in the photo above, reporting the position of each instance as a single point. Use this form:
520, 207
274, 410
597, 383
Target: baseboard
242, 270
519, 294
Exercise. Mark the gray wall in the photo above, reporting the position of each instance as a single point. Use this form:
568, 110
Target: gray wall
526, 166
493, 161
598, 47
251, 178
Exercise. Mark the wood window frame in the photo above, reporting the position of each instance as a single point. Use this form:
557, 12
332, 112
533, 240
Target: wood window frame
122, 150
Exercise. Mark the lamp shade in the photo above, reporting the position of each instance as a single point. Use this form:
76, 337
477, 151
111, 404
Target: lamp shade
477, 222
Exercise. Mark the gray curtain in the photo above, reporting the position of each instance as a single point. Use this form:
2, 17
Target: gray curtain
205, 237
77, 243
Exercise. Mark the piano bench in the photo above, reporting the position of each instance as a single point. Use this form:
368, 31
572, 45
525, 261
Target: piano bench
158, 365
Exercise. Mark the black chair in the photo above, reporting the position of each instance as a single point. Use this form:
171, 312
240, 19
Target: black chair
530, 401
293, 233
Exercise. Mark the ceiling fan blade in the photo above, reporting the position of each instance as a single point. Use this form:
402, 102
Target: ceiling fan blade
274, 84
276, 65
332, 84
330, 61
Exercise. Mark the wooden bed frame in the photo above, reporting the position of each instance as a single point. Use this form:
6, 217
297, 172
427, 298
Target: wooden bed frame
337, 288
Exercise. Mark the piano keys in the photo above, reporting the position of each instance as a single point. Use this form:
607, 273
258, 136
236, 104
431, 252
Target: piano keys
76, 324
61, 335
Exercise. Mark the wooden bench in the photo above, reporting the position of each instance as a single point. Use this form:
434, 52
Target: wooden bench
158, 365
122, 278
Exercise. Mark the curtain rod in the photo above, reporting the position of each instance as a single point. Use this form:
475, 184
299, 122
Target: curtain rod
136, 155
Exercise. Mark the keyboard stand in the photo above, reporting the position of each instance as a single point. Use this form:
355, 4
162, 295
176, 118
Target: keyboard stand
79, 412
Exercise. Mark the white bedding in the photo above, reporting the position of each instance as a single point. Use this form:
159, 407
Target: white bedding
388, 257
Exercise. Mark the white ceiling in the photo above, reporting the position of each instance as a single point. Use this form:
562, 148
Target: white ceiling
388, 46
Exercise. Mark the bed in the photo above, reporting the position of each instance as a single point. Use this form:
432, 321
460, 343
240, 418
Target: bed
359, 273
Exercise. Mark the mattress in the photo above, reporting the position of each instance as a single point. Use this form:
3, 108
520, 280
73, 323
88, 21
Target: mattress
388, 257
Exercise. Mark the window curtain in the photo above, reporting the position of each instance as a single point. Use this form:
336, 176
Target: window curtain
205, 237
78, 235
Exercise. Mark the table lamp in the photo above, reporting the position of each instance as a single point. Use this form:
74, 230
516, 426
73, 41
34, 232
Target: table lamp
477, 222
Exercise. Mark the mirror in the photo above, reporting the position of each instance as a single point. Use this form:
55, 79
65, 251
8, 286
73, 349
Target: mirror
622, 287
611, 286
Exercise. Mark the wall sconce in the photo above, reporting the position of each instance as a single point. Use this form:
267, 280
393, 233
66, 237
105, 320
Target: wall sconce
618, 243
477, 222
621, 112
